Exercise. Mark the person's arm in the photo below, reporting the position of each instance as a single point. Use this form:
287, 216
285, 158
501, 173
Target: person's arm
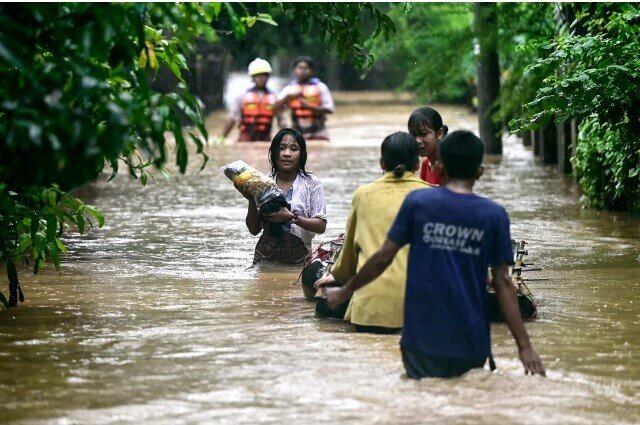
314, 224
317, 221
282, 122
327, 106
227, 127
281, 104
284, 97
318, 111
328, 280
508, 303
235, 115
253, 215
398, 236
225, 131
346, 263
374, 267
253, 218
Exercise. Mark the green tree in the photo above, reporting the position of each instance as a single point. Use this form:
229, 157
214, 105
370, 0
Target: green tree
488, 69
432, 53
75, 95
518, 25
594, 77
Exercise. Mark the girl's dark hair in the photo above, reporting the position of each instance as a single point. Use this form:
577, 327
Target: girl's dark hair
399, 153
274, 149
425, 117
305, 59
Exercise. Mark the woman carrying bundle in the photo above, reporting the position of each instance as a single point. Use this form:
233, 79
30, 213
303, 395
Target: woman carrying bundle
305, 195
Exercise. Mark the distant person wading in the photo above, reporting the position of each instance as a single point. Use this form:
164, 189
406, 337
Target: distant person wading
309, 100
255, 109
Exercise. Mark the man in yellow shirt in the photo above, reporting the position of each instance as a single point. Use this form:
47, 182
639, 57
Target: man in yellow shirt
378, 307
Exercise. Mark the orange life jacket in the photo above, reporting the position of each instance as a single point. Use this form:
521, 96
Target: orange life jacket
257, 114
311, 94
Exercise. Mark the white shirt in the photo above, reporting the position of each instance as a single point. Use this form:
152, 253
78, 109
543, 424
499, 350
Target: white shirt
308, 200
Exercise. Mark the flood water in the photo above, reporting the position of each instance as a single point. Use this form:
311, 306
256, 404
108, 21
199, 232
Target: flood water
157, 319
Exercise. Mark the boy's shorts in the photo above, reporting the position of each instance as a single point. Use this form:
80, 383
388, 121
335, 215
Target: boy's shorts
419, 365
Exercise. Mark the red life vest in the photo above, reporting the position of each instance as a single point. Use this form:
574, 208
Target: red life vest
257, 114
311, 94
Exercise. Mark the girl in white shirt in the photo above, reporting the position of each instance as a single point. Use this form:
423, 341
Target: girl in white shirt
305, 195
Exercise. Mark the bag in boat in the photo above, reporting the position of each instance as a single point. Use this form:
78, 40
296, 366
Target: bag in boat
267, 195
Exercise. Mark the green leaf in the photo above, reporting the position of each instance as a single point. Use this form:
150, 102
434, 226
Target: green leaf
55, 255
60, 245
80, 222
35, 226
93, 211
267, 19
52, 227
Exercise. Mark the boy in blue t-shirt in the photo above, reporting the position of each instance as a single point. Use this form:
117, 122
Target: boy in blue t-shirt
454, 236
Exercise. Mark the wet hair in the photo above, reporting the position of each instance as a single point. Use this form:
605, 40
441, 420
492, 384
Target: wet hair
461, 154
425, 117
399, 152
274, 149
305, 59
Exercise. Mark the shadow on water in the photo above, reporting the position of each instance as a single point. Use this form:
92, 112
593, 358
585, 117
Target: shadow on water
156, 318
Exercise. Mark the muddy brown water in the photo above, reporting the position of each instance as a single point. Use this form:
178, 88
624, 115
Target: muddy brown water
156, 319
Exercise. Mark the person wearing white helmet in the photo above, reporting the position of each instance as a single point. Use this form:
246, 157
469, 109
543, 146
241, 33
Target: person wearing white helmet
255, 108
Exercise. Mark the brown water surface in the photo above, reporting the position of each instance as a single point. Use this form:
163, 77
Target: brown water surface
156, 318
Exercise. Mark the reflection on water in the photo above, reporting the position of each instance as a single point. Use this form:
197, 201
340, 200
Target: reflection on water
157, 318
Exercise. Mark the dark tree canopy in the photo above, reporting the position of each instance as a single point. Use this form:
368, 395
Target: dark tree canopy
75, 96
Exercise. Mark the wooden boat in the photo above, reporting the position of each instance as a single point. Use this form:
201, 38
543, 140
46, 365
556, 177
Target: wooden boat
528, 306
319, 263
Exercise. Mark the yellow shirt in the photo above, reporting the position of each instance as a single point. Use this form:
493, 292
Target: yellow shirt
373, 210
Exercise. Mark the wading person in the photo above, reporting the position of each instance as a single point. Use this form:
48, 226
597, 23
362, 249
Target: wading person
304, 193
454, 235
378, 306
254, 110
425, 124
309, 100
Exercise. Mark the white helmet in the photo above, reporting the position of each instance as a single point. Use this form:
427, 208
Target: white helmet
259, 66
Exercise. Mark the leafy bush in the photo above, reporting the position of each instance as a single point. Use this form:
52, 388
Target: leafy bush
607, 166
75, 95
595, 78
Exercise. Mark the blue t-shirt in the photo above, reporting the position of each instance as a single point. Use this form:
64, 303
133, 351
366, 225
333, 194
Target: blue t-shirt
454, 238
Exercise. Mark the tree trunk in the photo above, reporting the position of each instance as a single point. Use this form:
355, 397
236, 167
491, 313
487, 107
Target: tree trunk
526, 138
564, 147
488, 70
549, 144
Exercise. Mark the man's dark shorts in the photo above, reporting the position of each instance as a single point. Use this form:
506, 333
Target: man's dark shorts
419, 365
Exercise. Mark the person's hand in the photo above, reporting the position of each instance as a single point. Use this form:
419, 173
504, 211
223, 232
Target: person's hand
219, 140
336, 296
531, 361
281, 216
325, 281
